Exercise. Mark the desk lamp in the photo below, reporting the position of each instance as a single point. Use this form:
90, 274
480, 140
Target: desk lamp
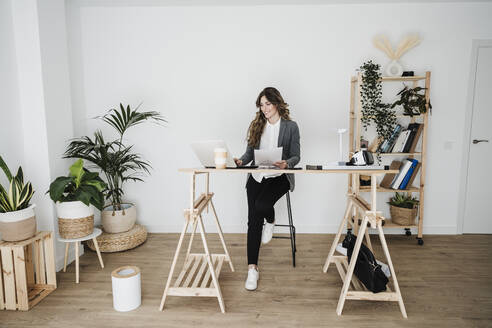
340, 151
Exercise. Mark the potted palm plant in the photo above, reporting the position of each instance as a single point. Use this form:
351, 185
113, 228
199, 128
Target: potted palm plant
17, 217
118, 162
403, 209
73, 196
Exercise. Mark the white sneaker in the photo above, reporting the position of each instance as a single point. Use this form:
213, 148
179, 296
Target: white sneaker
267, 233
252, 280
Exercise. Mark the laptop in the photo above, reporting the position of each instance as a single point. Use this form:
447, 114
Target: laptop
204, 150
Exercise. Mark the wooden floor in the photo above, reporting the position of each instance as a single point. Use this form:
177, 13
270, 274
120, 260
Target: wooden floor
445, 283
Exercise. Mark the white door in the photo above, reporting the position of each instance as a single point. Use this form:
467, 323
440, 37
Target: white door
478, 214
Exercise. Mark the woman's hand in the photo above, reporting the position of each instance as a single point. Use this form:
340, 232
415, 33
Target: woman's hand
238, 162
281, 164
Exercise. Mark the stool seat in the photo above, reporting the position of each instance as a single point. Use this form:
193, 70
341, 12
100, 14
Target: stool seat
76, 242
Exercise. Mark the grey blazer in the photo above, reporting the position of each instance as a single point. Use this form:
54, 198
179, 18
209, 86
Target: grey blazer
288, 138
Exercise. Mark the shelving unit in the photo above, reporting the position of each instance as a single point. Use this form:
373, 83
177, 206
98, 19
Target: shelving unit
355, 133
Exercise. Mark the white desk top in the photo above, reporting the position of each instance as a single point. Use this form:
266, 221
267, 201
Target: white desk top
340, 169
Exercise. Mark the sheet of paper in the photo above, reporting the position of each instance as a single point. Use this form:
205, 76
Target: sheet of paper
266, 157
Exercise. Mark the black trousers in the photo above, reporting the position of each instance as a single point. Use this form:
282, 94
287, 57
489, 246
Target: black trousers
261, 198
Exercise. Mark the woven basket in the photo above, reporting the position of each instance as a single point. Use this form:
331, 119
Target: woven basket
76, 228
403, 216
117, 242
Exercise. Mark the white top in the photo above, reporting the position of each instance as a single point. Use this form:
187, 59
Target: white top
269, 140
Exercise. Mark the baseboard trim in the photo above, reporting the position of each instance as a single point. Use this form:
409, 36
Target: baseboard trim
432, 230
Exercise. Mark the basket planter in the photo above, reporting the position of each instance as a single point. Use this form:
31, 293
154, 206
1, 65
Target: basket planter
119, 221
18, 225
75, 219
403, 216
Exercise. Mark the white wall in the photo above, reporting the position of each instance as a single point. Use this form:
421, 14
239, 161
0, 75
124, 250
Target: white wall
11, 142
36, 116
203, 67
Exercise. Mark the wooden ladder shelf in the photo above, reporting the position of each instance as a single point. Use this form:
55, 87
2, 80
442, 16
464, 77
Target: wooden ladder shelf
200, 273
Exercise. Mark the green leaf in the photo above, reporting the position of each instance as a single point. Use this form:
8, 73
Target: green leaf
5, 169
20, 177
83, 196
77, 171
58, 187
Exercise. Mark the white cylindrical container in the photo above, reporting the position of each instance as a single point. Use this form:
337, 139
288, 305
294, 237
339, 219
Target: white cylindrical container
127, 294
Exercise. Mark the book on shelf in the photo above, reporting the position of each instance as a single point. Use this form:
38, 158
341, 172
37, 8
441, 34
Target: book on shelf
414, 174
388, 143
414, 138
400, 142
397, 180
409, 174
388, 177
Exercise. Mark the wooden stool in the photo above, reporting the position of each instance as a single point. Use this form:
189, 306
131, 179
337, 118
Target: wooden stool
76, 242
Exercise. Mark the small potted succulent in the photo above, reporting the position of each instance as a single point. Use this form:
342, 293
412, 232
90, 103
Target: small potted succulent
17, 217
73, 196
118, 162
403, 209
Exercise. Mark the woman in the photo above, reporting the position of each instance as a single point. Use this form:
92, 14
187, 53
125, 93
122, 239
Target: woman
271, 128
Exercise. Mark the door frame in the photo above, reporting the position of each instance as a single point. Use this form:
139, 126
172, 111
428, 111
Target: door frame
476, 45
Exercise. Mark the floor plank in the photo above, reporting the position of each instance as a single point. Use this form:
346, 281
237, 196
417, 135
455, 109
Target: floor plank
445, 283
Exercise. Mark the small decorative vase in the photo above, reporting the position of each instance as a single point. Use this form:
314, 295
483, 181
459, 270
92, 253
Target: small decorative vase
394, 68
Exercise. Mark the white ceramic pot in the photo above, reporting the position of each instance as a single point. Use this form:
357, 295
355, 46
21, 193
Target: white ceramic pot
75, 219
18, 225
119, 221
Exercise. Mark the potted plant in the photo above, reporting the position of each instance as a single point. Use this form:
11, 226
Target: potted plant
412, 101
118, 162
74, 195
17, 217
403, 209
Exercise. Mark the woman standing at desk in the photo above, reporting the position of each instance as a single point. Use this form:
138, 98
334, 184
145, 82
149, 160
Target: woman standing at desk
271, 128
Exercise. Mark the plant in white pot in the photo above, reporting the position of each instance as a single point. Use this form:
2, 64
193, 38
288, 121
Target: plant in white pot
118, 162
17, 217
74, 196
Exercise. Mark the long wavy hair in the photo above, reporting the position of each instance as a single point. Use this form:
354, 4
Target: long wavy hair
257, 126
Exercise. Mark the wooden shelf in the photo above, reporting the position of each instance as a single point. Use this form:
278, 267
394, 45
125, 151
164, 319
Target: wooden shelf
191, 283
395, 154
414, 116
396, 78
401, 154
388, 223
381, 189
355, 134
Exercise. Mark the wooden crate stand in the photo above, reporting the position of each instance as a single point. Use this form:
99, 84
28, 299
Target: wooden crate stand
27, 271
